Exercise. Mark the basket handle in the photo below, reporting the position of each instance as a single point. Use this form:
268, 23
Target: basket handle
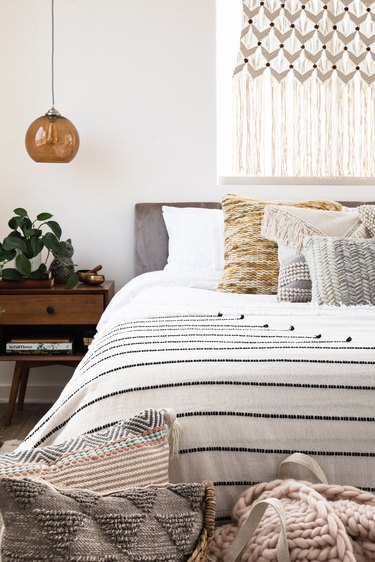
249, 527
302, 460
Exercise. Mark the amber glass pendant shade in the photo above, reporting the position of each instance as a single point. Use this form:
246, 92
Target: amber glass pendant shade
52, 138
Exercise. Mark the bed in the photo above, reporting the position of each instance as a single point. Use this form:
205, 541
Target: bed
251, 380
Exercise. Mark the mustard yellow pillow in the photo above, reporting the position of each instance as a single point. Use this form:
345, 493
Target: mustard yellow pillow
251, 262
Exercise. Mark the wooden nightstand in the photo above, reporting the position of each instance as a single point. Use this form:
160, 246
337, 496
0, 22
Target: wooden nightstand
54, 312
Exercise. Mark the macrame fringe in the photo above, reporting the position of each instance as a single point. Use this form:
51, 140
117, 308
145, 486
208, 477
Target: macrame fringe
281, 227
174, 431
311, 129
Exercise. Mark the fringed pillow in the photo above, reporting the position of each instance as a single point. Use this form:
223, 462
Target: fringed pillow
134, 452
289, 226
251, 264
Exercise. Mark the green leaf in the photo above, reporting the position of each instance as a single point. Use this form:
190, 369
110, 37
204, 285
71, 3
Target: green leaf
51, 242
36, 246
6, 255
38, 273
44, 216
72, 281
11, 274
20, 212
12, 242
14, 223
23, 265
24, 223
56, 228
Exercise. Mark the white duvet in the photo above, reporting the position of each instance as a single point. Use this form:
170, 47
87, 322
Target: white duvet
252, 380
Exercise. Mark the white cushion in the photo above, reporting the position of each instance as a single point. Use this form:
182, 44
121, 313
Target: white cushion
196, 238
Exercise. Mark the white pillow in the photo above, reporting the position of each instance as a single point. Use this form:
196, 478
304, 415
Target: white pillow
196, 238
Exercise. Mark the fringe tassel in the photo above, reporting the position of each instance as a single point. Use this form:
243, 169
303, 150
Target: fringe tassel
364, 130
309, 143
296, 128
320, 128
280, 226
239, 107
342, 127
310, 129
351, 128
275, 131
372, 137
284, 127
174, 431
328, 127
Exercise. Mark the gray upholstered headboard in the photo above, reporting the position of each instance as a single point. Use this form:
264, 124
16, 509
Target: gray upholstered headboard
151, 237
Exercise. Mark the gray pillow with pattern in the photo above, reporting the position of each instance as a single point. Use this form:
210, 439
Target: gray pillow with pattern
138, 524
342, 270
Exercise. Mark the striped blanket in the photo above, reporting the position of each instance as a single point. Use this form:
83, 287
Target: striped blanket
251, 381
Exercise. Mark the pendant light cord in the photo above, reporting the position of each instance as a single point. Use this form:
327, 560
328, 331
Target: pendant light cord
53, 52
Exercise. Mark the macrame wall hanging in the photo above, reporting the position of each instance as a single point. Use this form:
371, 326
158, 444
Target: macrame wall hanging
305, 89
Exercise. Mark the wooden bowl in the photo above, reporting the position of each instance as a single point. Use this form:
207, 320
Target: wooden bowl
94, 279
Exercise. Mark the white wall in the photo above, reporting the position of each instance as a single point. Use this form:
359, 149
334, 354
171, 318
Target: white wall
137, 77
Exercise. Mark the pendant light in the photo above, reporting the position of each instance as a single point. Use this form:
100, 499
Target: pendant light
52, 137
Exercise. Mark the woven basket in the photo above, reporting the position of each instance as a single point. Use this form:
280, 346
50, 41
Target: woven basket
200, 554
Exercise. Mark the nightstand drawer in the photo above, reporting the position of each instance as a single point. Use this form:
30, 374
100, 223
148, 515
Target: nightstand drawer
51, 309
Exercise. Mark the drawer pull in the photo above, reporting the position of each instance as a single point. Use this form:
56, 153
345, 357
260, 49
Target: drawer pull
50, 309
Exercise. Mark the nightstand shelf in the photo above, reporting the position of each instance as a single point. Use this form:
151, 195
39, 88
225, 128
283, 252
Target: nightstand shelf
46, 313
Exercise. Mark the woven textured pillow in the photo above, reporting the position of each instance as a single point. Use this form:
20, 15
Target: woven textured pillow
135, 525
294, 284
288, 226
251, 264
135, 452
367, 216
342, 270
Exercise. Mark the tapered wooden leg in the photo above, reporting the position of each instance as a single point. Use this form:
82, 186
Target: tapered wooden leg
17, 374
23, 385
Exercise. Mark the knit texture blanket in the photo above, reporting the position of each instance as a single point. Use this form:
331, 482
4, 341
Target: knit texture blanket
323, 523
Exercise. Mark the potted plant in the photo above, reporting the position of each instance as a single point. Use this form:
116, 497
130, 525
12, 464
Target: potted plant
25, 244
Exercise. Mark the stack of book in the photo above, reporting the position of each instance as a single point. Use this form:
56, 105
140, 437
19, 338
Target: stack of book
43, 346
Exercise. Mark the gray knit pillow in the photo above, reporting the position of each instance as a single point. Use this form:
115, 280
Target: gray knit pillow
367, 216
135, 525
342, 270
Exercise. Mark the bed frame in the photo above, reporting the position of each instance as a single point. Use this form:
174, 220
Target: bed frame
151, 237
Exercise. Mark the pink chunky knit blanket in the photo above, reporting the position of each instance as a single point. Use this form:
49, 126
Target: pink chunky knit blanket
323, 523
